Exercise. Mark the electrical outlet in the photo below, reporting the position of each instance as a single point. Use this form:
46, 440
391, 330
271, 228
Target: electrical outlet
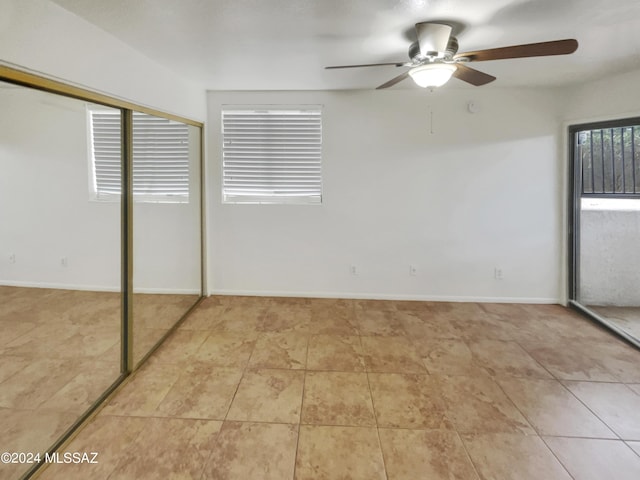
413, 270
353, 269
64, 262
12, 258
497, 273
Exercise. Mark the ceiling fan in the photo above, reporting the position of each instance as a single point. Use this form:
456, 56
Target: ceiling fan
434, 57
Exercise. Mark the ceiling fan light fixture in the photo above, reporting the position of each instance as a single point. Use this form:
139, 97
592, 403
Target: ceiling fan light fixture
432, 74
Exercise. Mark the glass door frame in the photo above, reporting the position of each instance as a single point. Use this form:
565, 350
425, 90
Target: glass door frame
574, 210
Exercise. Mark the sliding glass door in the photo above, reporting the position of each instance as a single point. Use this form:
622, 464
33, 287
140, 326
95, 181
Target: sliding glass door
605, 223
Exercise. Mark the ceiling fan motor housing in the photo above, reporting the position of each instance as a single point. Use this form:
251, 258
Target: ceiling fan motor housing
433, 38
416, 55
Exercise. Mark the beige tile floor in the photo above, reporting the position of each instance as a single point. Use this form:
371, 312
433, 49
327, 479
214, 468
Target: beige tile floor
269, 388
626, 318
58, 353
59, 350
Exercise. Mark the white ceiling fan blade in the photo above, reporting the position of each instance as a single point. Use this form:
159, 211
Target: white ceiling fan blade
433, 38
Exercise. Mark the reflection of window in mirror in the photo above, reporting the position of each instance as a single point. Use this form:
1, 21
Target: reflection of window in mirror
160, 157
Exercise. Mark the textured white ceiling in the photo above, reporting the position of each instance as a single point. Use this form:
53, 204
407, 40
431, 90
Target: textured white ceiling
284, 44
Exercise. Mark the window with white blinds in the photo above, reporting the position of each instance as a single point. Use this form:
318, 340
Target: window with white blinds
272, 155
160, 157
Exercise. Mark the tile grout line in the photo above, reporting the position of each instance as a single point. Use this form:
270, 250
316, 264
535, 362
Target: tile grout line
375, 413
244, 370
557, 458
304, 383
637, 452
589, 408
538, 434
519, 343
208, 459
453, 424
494, 380
466, 451
560, 381
533, 428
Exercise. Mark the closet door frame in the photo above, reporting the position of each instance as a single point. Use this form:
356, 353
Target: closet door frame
38, 82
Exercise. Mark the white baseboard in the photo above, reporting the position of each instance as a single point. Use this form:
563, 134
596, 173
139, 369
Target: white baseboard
167, 291
59, 286
391, 296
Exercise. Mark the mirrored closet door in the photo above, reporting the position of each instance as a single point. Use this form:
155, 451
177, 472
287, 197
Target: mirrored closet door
100, 251
166, 233
60, 298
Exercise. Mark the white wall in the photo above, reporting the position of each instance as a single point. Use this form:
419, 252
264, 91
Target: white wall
483, 191
40, 228
41, 36
611, 98
46, 213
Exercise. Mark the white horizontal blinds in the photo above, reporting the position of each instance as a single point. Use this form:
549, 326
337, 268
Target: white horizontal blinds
106, 147
272, 155
160, 156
